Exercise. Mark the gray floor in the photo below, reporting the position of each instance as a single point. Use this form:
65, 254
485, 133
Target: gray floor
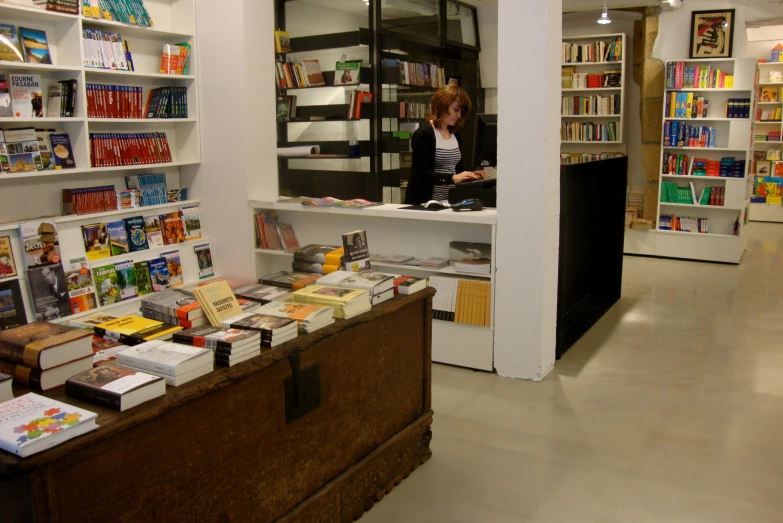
670, 409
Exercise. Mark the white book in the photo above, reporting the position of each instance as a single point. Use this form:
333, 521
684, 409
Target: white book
181, 379
382, 297
53, 107
164, 358
244, 357
373, 282
115, 387
24, 420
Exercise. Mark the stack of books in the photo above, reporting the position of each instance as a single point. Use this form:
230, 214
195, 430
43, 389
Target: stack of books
309, 318
290, 280
44, 355
347, 303
471, 257
612, 78
115, 387
481, 267
231, 346
273, 235
434, 262
380, 286
175, 363
595, 81
135, 330
274, 330
261, 293
567, 77
174, 307
319, 259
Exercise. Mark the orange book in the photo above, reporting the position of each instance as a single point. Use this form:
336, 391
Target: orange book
169, 61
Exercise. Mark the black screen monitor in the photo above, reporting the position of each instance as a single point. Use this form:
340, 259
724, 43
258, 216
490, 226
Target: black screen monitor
485, 143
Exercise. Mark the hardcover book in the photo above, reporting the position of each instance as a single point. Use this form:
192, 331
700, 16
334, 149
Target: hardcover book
26, 95
192, 219
96, 241
153, 230
174, 267
118, 238
12, 313
164, 357
357, 253
44, 345
105, 351
159, 274
115, 387
373, 282
35, 46
33, 423
38, 379
204, 260
81, 289
61, 151
126, 279
49, 291
7, 265
172, 228
143, 281
10, 50
313, 253
135, 230
105, 278
6, 388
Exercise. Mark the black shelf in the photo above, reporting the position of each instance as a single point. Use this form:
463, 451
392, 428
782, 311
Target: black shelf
365, 75
332, 147
324, 42
319, 183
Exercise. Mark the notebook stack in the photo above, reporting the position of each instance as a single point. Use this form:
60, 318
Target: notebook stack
176, 363
309, 318
380, 286
347, 303
261, 293
274, 330
231, 346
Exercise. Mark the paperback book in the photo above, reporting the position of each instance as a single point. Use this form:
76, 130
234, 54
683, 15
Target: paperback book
7, 265
143, 281
12, 313
96, 241
81, 289
126, 279
137, 236
35, 46
10, 49
22, 148
192, 219
204, 260
347, 73
153, 230
26, 95
159, 274
118, 238
105, 278
174, 266
173, 228
49, 291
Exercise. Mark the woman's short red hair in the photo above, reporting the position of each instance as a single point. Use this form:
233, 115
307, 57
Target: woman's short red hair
442, 100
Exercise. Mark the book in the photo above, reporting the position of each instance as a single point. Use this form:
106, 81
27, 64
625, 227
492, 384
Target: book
49, 291
43, 345
32, 423
153, 230
12, 312
118, 238
126, 279
89, 322
10, 49
45, 379
174, 267
261, 293
6, 110
115, 387
40, 242
274, 329
769, 94
45, 149
62, 153
136, 234
105, 351
282, 42
54, 101
26, 95
288, 237
347, 73
347, 303
357, 252
408, 285
373, 282
192, 219
96, 241
290, 280
218, 339
159, 274
312, 69
7, 265
35, 46
313, 253
134, 330
218, 301
81, 289
204, 260
105, 278
143, 280
171, 359
180, 379
172, 228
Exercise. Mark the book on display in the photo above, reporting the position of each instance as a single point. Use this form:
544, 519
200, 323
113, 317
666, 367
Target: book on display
347, 303
115, 387
43, 345
50, 378
165, 358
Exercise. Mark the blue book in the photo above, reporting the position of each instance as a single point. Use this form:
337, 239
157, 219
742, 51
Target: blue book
137, 236
159, 274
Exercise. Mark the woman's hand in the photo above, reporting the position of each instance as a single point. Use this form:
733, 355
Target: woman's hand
464, 176
481, 174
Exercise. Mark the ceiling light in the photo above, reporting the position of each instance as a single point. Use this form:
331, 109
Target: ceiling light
604, 16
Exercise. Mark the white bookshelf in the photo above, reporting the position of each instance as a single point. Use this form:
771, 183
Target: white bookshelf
732, 139
394, 231
33, 194
763, 212
575, 146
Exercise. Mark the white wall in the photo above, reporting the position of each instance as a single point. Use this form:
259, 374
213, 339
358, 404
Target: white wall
487, 12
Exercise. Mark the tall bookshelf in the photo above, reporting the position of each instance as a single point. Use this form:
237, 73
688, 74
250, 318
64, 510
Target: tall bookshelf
28, 195
764, 211
588, 114
725, 239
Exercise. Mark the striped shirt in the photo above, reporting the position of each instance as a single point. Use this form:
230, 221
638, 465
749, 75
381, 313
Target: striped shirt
447, 156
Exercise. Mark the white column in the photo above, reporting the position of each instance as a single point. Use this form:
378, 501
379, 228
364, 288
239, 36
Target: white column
529, 42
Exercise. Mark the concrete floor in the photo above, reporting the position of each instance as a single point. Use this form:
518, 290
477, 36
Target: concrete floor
669, 409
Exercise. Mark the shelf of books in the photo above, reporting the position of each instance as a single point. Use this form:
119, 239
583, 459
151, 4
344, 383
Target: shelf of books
592, 106
453, 255
707, 129
767, 167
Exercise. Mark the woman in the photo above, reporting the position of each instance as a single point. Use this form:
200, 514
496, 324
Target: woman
437, 155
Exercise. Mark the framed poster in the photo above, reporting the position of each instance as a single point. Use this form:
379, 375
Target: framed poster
712, 34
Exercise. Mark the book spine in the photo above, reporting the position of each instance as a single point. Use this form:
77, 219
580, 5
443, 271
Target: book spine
24, 375
200, 341
97, 396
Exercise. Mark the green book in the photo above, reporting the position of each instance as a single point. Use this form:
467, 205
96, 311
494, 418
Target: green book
705, 196
143, 282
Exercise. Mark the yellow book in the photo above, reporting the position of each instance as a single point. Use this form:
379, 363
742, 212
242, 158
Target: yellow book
327, 294
131, 328
673, 105
488, 310
729, 82
481, 300
474, 304
334, 257
329, 269
282, 42
460, 298
689, 106
218, 301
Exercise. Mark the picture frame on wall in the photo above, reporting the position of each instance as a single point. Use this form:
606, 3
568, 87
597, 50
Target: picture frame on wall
712, 34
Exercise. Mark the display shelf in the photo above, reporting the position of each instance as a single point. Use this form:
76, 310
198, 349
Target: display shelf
591, 116
136, 74
96, 170
271, 252
9, 226
698, 234
360, 38
449, 270
135, 30
702, 119
142, 121
710, 178
768, 103
704, 148
766, 84
705, 207
123, 212
769, 122
38, 68
57, 119
135, 254
34, 14
594, 89
585, 64
590, 142
768, 142
12, 278
762, 212
721, 89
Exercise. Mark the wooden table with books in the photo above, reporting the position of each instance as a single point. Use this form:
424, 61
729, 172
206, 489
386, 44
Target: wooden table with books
316, 429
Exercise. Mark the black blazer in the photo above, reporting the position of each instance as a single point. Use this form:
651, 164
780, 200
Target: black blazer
423, 177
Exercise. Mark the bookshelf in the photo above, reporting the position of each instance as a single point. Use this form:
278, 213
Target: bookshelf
760, 209
708, 155
27, 195
389, 231
592, 112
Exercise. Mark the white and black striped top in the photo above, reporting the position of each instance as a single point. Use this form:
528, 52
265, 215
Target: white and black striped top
447, 156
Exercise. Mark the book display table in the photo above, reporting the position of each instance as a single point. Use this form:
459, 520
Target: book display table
318, 429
